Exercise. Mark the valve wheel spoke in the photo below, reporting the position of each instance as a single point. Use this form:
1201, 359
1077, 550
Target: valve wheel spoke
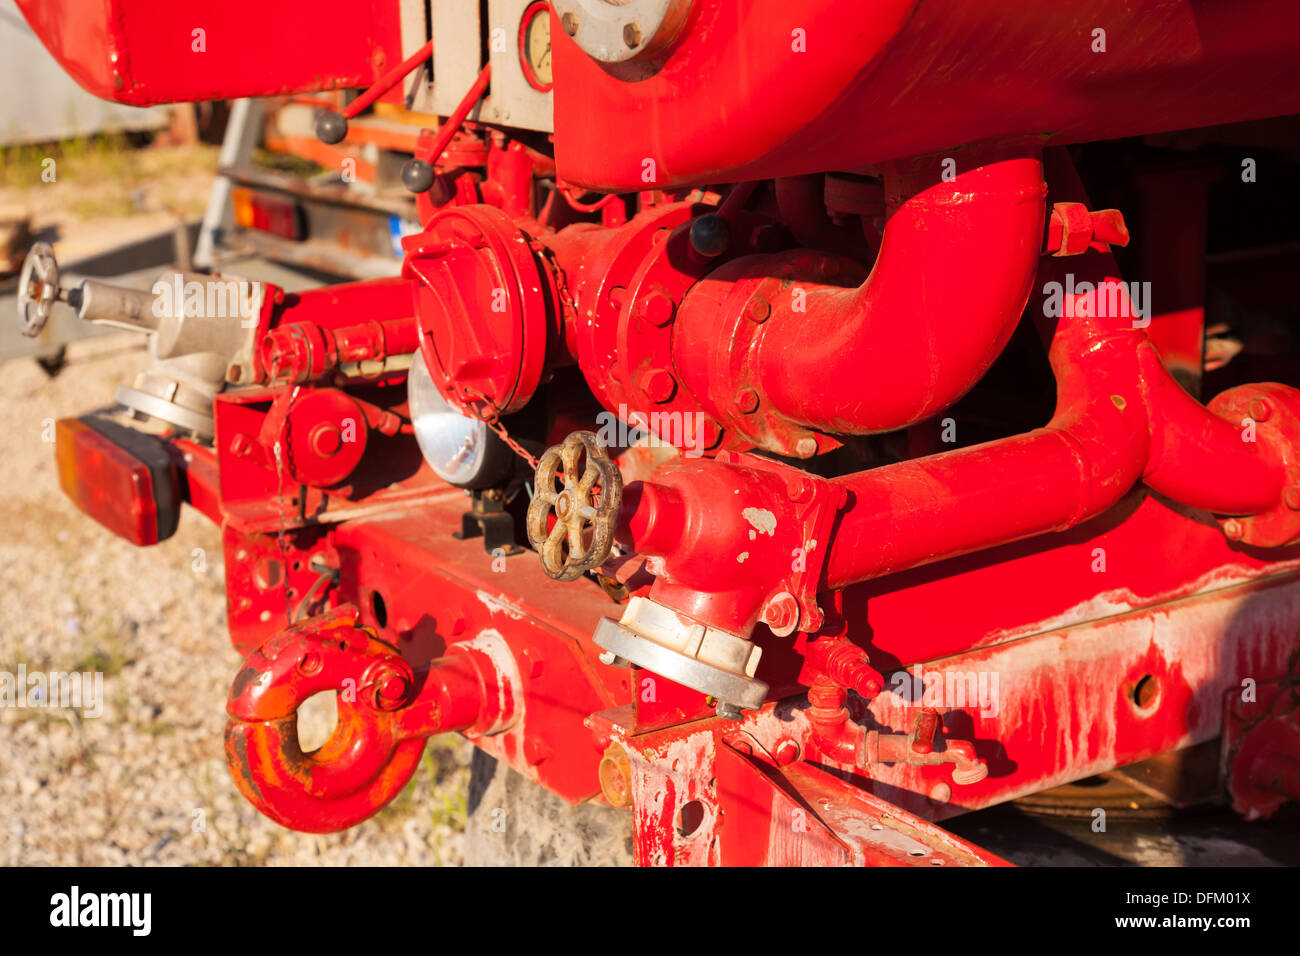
581, 515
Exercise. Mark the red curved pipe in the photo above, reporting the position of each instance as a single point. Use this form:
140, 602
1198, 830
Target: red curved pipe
1120, 417
955, 269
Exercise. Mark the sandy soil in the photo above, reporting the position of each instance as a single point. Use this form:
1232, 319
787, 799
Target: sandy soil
146, 782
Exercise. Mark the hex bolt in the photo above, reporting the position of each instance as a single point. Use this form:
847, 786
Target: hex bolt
781, 614
1260, 409
747, 400
392, 691
805, 447
828, 268
657, 308
632, 35
758, 310
940, 793
1233, 530
658, 385
613, 660
569, 23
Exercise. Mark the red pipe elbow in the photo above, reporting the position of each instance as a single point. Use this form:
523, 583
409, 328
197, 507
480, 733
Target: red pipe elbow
955, 269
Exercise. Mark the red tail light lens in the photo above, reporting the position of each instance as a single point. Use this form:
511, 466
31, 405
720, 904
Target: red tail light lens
254, 210
122, 478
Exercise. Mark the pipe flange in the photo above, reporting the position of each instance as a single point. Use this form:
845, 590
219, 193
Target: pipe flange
1267, 413
481, 306
706, 659
165, 411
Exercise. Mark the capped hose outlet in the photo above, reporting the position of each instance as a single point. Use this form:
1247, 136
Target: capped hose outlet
707, 659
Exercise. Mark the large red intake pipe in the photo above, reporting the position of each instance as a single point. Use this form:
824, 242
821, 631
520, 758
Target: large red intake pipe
1120, 419
955, 268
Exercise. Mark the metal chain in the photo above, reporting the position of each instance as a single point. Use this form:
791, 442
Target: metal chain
491, 417
283, 537
513, 445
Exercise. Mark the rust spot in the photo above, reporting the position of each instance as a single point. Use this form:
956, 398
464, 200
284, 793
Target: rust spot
237, 760
246, 676
1118, 402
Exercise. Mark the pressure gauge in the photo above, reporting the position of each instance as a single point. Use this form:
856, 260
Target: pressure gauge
535, 45
460, 450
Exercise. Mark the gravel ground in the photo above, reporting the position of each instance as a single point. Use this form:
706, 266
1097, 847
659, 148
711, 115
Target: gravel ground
145, 783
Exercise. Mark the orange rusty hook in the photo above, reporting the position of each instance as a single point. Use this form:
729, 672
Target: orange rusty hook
369, 757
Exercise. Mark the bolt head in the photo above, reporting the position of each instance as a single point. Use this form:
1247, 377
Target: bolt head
758, 310
392, 691
657, 308
658, 385
805, 447
801, 490
747, 400
569, 23
1233, 529
632, 35
781, 614
1260, 410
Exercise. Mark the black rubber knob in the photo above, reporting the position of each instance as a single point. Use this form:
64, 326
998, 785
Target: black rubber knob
417, 175
331, 127
710, 235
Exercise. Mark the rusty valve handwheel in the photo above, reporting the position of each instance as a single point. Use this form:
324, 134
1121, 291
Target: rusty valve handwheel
577, 507
38, 287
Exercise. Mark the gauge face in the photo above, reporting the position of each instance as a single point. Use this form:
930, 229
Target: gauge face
535, 45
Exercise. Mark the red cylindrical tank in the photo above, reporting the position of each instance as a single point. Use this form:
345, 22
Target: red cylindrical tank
772, 88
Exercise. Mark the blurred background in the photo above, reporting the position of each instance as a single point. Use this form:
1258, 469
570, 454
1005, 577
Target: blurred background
119, 190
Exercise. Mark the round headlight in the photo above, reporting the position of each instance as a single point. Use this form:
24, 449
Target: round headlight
460, 450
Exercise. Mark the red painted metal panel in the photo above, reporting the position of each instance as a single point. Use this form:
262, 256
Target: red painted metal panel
770, 88
158, 51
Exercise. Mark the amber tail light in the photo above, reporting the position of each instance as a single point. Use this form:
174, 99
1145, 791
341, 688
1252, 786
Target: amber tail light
255, 210
122, 478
